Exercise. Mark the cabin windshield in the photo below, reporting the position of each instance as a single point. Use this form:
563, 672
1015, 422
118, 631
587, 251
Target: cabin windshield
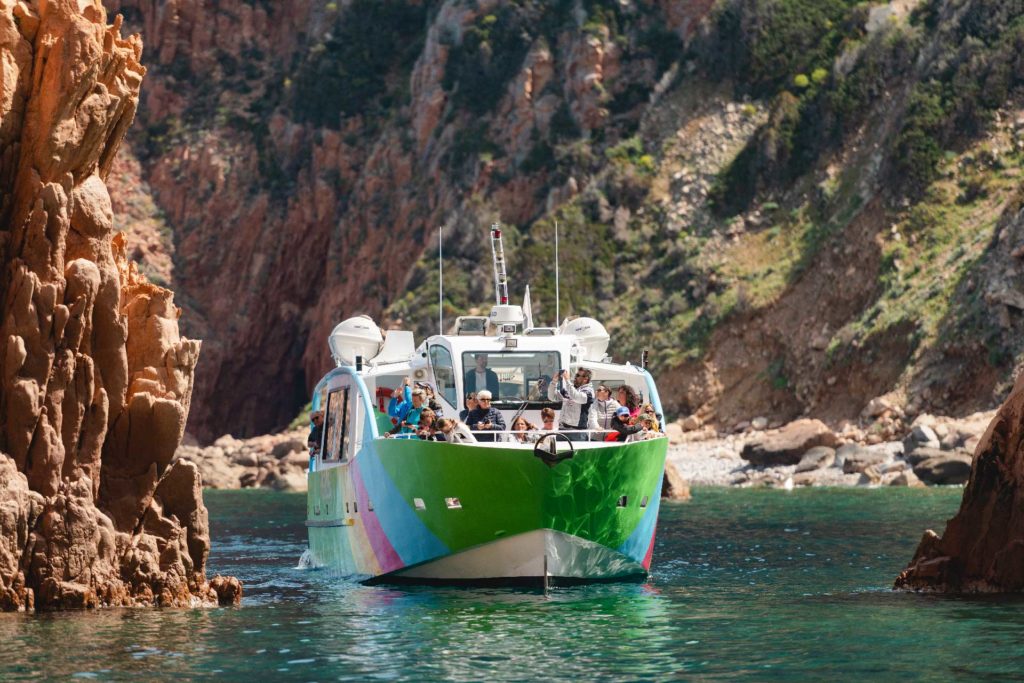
513, 377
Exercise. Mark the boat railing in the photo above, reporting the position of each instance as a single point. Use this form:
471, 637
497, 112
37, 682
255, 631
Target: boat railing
532, 436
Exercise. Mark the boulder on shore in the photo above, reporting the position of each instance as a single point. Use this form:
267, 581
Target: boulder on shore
857, 459
786, 445
921, 436
674, 486
818, 458
920, 454
947, 468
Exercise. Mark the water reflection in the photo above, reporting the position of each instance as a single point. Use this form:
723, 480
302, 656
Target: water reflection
745, 584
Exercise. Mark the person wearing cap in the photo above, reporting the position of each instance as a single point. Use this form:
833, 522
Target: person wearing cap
481, 377
621, 424
649, 428
485, 418
577, 397
316, 432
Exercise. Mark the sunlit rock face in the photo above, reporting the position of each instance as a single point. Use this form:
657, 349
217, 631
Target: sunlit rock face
95, 381
982, 549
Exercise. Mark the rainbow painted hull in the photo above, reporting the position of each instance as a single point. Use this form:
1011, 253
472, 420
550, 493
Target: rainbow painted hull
409, 510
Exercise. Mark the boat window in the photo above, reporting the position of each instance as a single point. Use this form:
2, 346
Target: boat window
337, 424
444, 373
514, 377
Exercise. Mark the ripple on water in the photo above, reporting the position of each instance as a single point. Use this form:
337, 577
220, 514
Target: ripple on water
820, 564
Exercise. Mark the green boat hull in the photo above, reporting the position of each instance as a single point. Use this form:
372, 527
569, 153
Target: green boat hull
410, 510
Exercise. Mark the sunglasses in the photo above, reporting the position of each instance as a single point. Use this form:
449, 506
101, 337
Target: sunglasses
483, 400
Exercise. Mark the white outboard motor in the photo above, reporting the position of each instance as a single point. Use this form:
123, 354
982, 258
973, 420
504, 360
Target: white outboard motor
591, 337
357, 336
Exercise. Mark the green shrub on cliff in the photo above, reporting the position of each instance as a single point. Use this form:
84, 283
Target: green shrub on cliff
348, 73
763, 44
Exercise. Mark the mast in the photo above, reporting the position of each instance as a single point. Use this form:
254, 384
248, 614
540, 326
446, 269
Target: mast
500, 276
440, 280
558, 299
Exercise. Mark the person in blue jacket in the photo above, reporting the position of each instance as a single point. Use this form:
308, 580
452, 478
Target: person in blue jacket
400, 403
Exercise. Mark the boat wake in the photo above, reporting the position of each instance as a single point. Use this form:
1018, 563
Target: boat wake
306, 560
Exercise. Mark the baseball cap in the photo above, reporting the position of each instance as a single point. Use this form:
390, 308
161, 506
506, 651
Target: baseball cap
622, 411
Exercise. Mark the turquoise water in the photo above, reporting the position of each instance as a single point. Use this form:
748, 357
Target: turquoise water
746, 584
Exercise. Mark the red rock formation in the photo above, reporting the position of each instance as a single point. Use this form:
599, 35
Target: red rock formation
982, 549
96, 382
348, 193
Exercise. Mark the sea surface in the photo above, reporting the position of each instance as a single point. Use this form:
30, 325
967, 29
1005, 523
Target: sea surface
746, 584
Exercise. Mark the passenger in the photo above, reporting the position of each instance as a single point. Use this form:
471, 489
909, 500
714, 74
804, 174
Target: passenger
622, 425
648, 409
426, 427
539, 391
627, 397
547, 416
461, 433
481, 377
453, 431
577, 403
520, 429
412, 418
605, 406
444, 427
470, 406
485, 418
431, 398
648, 428
316, 433
401, 402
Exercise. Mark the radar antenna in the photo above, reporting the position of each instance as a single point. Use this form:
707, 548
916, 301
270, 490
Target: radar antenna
500, 276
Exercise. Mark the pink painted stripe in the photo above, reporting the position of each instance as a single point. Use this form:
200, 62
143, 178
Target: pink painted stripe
386, 556
650, 549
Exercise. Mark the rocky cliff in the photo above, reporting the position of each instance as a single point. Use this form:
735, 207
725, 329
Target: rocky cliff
95, 380
982, 548
798, 205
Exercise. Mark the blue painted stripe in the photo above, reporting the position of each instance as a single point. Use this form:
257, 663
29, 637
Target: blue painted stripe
635, 547
652, 392
409, 536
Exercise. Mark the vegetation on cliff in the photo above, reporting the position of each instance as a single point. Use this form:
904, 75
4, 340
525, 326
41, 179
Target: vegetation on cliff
796, 205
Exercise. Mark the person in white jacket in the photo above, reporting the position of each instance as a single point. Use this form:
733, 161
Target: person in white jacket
577, 397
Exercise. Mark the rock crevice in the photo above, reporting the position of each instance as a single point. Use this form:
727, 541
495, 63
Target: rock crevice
95, 381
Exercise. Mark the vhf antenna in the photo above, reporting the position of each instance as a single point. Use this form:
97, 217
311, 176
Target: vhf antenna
558, 299
500, 277
440, 280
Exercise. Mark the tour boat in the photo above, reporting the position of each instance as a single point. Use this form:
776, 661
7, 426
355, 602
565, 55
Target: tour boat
566, 508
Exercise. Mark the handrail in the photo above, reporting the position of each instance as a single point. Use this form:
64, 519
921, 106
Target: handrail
508, 436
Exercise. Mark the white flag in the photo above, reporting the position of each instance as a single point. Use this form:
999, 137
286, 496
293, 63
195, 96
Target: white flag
527, 308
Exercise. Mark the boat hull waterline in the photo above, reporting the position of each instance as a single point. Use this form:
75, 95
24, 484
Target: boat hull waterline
409, 511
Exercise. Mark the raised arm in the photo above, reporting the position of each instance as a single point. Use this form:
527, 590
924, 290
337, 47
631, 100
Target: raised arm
576, 395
